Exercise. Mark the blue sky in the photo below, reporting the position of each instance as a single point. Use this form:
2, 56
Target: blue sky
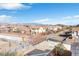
43, 13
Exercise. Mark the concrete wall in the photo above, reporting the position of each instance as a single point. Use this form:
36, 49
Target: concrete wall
75, 49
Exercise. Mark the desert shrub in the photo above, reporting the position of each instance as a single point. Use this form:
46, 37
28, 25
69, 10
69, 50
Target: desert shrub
60, 50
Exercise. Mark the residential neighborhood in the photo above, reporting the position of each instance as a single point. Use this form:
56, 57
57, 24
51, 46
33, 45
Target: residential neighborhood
39, 29
40, 37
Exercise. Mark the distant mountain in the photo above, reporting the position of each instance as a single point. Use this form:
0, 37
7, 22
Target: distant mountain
77, 25
22, 24
33, 24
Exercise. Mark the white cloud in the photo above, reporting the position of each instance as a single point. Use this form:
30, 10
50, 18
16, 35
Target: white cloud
41, 20
67, 17
76, 16
13, 6
48, 21
5, 18
68, 20
71, 19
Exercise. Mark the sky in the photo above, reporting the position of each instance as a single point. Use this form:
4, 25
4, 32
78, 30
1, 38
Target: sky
41, 13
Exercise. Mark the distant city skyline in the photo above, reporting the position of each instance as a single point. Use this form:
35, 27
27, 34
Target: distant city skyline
41, 13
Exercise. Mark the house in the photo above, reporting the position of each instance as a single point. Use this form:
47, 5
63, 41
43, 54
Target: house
4, 29
75, 32
38, 29
55, 28
75, 44
25, 30
22, 29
